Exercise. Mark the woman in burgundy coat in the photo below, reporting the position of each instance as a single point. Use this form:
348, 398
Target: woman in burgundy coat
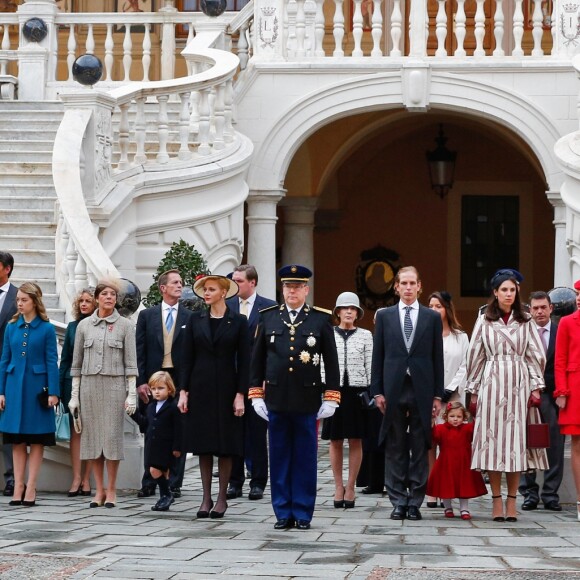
567, 392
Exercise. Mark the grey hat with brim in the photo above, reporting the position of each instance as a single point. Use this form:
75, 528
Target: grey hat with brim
348, 299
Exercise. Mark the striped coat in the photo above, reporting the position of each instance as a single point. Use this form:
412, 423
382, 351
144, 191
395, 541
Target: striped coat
505, 362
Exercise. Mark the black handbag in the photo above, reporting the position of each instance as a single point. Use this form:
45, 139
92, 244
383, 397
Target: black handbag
43, 398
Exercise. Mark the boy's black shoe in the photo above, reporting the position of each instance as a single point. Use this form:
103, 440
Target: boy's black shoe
163, 504
146, 492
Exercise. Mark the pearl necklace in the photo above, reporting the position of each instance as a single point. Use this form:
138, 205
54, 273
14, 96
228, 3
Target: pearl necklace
212, 316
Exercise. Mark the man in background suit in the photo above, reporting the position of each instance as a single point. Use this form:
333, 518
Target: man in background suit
7, 310
541, 308
407, 383
160, 347
249, 302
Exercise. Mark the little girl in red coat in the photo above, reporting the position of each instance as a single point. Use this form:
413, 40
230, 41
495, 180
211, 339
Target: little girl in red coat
452, 476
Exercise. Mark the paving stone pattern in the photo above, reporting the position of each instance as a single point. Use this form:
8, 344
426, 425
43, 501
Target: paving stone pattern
63, 538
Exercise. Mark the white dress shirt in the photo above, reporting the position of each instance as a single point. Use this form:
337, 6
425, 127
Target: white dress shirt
165, 311
249, 304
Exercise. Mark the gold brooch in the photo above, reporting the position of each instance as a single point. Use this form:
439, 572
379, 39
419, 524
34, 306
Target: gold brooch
305, 356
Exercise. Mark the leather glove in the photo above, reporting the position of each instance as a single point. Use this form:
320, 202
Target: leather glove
260, 408
131, 400
74, 403
446, 396
326, 410
534, 401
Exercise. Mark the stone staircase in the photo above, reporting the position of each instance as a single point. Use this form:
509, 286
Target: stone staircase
27, 195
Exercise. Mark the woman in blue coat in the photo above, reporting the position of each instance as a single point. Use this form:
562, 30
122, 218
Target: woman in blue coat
27, 367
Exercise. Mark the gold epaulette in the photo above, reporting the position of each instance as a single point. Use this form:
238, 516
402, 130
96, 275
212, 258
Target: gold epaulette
268, 308
326, 311
331, 396
256, 393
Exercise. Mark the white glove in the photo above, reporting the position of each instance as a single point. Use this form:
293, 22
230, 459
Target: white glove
260, 408
327, 409
74, 402
131, 400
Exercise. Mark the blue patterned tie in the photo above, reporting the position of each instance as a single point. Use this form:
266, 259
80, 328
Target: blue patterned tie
407, 324
169, 320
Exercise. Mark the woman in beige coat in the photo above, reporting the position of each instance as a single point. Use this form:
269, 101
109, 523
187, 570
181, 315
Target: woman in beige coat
104, 371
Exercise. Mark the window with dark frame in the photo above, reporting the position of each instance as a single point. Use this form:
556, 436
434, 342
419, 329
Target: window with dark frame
490, 231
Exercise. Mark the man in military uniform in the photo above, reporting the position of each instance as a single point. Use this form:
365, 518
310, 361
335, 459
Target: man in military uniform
292, 341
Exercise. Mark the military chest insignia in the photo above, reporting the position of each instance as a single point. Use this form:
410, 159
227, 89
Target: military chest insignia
305, 357
311, 341
316, 359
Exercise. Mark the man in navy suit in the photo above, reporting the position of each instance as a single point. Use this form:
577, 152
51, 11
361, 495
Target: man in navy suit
541, 309
407, 383
160, 347
7, 310
249, 302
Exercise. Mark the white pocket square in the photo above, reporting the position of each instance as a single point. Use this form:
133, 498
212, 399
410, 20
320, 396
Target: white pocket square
184, 326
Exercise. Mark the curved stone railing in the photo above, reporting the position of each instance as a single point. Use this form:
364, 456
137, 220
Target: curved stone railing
83, 168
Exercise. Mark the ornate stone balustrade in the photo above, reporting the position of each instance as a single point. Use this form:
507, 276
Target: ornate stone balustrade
83, 169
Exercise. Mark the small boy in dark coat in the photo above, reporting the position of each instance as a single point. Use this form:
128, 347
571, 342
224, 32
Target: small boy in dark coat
163, 434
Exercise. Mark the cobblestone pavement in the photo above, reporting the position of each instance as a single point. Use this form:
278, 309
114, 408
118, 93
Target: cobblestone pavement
64, 538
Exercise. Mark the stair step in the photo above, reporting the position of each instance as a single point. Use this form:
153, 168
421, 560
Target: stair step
8, 180
33, 106
30, 156
35, 271
18, 135
28, 215
25, 202
27, 189
12, 241
31, 145
23, 167
26, 228
28, 256
47, 285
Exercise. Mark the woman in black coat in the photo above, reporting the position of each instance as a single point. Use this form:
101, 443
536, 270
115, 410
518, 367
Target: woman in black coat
213, 385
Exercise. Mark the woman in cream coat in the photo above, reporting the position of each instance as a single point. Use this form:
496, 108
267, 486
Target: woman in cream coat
103, 372
355, 349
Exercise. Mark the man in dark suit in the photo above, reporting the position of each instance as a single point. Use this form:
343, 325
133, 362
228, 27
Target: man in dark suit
7, 309
407, 383
292, 341
249, 303
160, 347
541, 309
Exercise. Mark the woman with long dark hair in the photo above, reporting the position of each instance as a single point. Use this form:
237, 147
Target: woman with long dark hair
505, 371
455, 343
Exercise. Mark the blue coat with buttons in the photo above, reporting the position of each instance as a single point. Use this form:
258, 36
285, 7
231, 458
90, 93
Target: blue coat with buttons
29, 363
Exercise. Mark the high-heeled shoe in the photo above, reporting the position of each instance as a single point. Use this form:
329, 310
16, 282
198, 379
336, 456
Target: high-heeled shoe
76, 492
86, 493
205, 513
349, 503
27, 502
511, 518
497, 518
97, 503
215, 515
339, 503
15, 502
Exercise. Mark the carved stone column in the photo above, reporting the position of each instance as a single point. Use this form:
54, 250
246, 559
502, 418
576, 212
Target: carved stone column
562, 271
298, 247
262, 220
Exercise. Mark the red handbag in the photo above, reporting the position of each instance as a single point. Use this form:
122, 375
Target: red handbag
537, 432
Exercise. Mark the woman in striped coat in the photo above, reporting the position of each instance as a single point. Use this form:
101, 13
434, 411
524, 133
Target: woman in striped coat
505, 365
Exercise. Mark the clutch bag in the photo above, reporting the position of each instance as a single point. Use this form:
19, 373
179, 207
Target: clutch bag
43, 398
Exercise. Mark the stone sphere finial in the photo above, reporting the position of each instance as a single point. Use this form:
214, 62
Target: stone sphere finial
87, 69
